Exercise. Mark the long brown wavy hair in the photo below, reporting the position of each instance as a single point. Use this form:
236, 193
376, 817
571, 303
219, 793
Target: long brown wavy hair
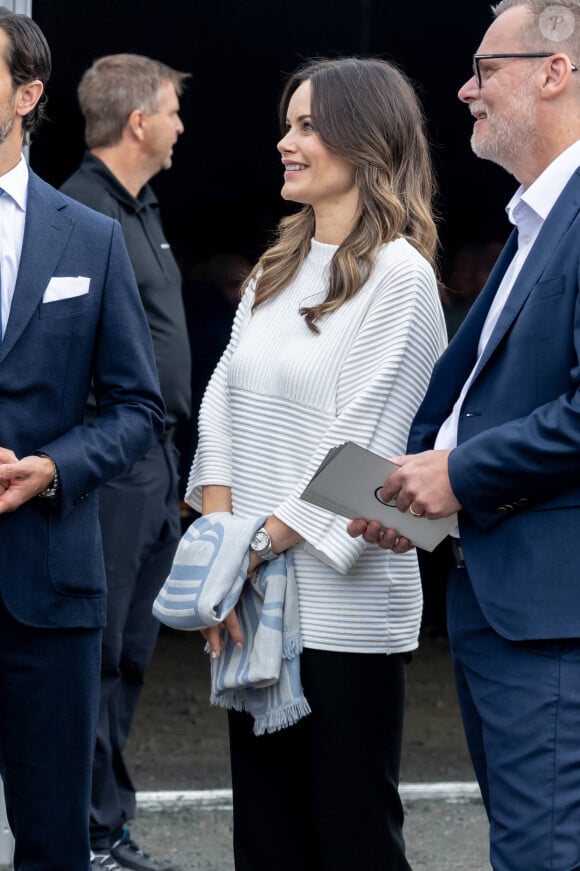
366, 112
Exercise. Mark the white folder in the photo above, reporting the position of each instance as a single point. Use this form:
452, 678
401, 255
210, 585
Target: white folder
348, 482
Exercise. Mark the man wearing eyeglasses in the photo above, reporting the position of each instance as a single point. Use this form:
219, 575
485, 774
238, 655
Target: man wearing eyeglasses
497, 439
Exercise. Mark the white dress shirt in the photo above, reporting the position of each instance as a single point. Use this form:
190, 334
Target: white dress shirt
12, 218
527, 210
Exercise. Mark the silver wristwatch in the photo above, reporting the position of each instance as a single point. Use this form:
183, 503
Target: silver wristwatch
261, 544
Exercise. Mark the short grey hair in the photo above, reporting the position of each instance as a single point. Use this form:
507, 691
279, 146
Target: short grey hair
554, 25
114, 87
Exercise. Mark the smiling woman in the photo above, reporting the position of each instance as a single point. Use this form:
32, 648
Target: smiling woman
223, 188
334, 339
314, 175
364, 131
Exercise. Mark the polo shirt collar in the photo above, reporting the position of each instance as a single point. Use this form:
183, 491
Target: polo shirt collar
146, 196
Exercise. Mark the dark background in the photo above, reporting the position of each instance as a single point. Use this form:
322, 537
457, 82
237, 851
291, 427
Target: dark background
222, 193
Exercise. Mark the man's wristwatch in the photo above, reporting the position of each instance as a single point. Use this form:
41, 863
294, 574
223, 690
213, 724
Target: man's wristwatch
53, 489
261, 545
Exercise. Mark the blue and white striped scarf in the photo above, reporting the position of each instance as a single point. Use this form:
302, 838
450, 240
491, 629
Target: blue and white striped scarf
207, 581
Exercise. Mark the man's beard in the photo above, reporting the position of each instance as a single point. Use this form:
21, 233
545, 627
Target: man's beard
6, 129
7, 125
510, 134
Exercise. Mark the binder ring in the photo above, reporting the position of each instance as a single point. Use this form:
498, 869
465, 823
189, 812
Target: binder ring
391, 504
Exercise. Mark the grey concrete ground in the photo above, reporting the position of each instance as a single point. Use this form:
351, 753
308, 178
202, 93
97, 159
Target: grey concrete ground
180, 743
441, 836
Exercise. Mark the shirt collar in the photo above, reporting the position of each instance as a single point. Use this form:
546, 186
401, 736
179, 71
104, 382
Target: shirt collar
541, 196
146, 197
15, 183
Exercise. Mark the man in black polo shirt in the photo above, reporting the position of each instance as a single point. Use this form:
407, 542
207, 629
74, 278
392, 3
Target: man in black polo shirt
131, 109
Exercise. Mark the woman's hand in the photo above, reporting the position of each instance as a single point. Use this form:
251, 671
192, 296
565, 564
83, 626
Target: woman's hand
214, 634
373, 533
254, 563
219, 498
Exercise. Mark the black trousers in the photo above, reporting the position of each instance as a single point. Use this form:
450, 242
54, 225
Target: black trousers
139, 515
323, 795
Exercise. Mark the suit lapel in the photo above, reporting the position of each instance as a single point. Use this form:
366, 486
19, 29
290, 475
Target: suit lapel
475, 319
553, 231
456, 363
461, 355
46, 233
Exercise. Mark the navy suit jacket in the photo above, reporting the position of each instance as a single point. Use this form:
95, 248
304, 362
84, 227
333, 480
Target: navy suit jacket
51, 563
516, 469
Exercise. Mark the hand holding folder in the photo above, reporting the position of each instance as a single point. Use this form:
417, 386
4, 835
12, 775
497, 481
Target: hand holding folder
349, 481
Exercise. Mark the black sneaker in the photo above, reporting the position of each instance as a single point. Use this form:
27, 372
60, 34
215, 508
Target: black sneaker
104, 862
126, 852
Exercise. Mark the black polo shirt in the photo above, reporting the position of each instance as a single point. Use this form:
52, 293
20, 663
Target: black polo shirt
156, 271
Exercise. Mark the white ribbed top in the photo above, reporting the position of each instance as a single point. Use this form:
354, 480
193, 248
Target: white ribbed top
281, 396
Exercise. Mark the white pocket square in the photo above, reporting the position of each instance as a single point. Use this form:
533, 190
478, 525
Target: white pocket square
65, 288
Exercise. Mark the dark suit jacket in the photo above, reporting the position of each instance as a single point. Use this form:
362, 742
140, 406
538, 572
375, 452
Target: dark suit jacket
51, 565
516, 469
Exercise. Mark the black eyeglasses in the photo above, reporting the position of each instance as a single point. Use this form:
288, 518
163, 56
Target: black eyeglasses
479, 57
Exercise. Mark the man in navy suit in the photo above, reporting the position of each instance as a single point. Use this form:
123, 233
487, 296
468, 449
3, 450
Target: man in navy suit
70, 316
497, 439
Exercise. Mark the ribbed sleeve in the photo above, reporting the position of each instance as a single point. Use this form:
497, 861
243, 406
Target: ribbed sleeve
380, 385
282, 396
212, 463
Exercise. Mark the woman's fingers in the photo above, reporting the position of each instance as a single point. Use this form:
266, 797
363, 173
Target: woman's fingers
213, 636
232, 624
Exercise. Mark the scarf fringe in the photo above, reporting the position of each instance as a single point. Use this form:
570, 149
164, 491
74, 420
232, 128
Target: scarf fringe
207, 580
272, 720
292, 646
